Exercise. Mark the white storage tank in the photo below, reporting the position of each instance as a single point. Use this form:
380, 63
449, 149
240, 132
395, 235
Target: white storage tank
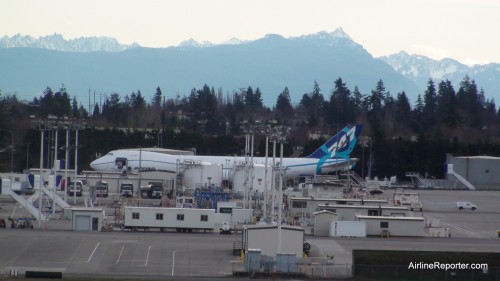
199, 174
257, 171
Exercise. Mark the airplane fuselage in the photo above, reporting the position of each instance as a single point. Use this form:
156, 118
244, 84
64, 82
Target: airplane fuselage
144, 160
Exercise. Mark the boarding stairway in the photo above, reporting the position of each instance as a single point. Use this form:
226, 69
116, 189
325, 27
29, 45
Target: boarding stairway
355, 178
417, 178
469, 185
59, 201
27, 205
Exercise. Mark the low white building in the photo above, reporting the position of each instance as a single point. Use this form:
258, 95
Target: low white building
347, 229
265, 239
322, 221
349, 212
393, 226
87, 219
304, 207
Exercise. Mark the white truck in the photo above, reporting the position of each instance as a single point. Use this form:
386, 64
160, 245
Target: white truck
127, 189
466, 205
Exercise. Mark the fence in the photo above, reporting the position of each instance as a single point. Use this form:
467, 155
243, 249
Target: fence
310, 267
399, 272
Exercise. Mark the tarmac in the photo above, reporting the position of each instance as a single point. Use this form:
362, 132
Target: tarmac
53, 246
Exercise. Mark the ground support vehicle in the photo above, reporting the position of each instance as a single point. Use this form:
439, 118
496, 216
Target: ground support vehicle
466, 205
180, 219
101, 189
79, 189
126, 189
21, 222
152, 191
225, 228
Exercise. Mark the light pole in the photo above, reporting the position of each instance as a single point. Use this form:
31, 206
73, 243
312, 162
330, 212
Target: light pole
140, 172
11, 150
41, 125
273, 178
282, 134
364, 143
265, 173
246, 130
27, 156
66, 166
42, 131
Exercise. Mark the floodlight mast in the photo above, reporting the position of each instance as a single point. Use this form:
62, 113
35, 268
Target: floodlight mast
282, 133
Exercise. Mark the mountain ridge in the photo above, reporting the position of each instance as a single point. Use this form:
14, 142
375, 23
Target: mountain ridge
270, 63
58, 43
420, 69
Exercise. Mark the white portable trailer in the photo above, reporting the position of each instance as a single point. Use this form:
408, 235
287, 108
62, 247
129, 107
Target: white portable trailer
180, 219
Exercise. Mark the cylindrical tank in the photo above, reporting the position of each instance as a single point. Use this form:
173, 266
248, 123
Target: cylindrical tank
255, 171
200, 174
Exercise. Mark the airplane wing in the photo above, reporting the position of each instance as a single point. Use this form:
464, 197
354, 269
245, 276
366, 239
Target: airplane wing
341, 164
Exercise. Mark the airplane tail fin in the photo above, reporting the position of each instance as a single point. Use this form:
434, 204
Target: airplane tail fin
341, 145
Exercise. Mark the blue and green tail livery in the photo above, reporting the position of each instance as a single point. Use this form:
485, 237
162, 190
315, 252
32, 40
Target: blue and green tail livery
339, 146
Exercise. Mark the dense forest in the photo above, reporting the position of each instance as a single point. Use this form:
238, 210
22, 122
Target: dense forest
399, 136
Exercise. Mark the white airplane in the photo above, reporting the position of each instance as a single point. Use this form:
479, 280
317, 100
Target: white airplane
334, 155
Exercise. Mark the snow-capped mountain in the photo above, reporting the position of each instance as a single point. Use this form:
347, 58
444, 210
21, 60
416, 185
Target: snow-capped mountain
421, 68
233, 41
58, 43
270, 63
417, 67
332, 37
195, 44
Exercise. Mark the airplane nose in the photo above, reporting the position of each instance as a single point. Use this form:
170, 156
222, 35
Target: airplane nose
93, 164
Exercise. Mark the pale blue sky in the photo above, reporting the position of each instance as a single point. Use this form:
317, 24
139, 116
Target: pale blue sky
466, 30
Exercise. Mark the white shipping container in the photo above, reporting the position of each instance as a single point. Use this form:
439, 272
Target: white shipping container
347, 229
181, 219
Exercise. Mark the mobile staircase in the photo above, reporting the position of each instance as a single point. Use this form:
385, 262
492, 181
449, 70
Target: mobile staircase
418, 181
469, 185
26, 205
354, 178
52, 195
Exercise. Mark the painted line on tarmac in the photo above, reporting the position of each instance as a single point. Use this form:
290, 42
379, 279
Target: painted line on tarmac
467, 232
147, 256
119, 256
91, 255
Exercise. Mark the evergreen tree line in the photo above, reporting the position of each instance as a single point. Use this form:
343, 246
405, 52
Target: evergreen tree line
401, 136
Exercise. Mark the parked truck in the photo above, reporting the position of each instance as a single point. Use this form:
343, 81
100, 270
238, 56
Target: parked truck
126, 189
466, 205
180, 219
78, 189
152, 190
102, 189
